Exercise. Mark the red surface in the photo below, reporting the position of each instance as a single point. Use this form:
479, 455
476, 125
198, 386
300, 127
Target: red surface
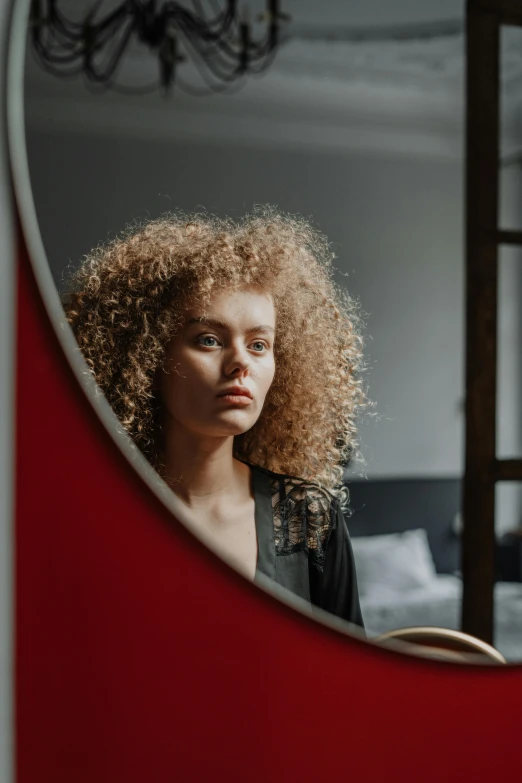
141, 657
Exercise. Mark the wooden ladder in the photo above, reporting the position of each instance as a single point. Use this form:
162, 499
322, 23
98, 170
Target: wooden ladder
484, 19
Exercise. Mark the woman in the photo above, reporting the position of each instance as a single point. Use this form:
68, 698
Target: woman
231, 358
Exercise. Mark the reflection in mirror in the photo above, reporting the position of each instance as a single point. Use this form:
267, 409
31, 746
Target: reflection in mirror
148, 213
217, 344
443, 644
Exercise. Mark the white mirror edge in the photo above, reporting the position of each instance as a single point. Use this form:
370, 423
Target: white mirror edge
7, 411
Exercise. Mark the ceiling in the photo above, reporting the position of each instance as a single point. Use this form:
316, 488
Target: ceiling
326, 13
376, 75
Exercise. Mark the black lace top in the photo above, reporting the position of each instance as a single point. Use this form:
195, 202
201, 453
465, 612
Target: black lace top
303, 542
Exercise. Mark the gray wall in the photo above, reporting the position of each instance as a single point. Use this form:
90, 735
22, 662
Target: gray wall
509, 366
397, 228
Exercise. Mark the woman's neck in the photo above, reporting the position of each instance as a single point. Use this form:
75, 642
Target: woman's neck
202, 471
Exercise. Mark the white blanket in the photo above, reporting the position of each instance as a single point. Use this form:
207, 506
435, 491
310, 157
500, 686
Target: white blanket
438, 604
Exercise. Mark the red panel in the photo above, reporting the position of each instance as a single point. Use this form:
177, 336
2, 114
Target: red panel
142, 657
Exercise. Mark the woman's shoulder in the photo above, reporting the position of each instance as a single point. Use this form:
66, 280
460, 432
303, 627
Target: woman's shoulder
297, 484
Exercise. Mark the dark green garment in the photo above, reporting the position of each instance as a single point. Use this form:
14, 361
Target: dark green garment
303, 542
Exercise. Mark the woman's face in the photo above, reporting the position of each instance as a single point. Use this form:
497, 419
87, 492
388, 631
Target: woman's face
233, 346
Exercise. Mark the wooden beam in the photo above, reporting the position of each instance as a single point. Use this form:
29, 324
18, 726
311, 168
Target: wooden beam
482, 163
508, 470
509, 12
509, 237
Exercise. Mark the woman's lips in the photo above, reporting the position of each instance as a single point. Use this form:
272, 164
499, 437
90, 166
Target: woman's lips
236, 399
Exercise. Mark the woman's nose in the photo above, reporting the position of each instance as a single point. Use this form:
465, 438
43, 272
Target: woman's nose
237, 361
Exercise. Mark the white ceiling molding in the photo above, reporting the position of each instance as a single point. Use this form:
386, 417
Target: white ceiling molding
280, 132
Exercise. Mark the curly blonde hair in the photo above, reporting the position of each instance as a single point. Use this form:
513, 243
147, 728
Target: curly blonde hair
127, 299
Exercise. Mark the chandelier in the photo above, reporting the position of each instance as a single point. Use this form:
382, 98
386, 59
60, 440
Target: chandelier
219, 42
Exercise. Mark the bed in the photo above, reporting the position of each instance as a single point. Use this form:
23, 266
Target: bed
407, 550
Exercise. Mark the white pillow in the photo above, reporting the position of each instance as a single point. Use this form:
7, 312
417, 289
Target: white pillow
397, 562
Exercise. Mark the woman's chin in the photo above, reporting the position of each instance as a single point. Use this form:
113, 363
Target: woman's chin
234, 423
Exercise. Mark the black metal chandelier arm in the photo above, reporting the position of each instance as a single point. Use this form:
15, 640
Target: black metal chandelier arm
217, 50
253, 50
201, 64
190, 29
55, 37
48, 65
98, 85
226, 83
219, 40
208, 29
64, 39
110, 68
54, 16
214, 61
118, 15
221, 13
265, 64
101, 34
60, 37
45, 53
203, 59
268, 45
87, 34
256, 53
221, 49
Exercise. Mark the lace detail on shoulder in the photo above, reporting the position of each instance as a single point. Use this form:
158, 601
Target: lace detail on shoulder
303, 515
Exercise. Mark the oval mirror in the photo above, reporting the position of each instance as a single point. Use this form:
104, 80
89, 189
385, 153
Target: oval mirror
264, 277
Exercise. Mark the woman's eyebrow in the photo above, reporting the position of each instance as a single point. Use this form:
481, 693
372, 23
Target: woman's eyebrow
221, 325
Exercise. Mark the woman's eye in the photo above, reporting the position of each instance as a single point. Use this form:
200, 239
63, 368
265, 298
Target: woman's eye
208, 341
204, 340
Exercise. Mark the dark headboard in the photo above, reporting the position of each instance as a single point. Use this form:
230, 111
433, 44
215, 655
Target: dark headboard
393, 506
